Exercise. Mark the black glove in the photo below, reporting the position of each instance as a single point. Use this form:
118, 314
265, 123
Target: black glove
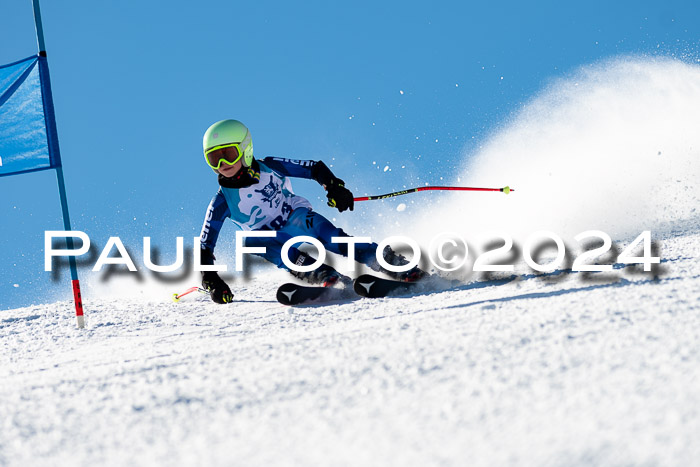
219, 291
338, 196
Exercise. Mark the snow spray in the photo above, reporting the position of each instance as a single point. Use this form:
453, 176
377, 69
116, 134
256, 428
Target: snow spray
615, 146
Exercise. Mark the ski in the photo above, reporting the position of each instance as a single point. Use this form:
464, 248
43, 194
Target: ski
366, 285
295, 294
371, 286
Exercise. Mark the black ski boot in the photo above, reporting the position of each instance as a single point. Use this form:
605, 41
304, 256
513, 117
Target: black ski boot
395, 259
324, 275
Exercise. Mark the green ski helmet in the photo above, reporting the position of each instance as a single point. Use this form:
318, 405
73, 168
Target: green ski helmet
227, 134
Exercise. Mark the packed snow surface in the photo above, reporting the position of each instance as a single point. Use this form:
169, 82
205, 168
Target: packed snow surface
554, 370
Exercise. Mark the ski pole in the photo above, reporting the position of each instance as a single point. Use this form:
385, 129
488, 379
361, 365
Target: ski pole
177, 297
505, 190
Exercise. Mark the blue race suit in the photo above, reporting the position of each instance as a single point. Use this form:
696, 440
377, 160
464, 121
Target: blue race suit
271, 204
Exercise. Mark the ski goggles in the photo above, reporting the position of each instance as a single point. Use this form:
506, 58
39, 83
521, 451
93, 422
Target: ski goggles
228, 153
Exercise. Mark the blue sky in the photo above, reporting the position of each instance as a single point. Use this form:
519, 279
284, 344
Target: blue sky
360, 85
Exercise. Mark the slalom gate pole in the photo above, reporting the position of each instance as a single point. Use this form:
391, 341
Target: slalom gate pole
79, 316
55, 155
505, 190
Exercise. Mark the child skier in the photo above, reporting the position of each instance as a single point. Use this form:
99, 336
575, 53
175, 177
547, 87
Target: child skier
257, 195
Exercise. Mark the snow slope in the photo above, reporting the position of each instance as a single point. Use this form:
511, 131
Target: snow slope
558, 371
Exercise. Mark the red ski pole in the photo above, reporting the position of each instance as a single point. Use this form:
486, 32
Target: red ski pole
505, 190
177, 297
